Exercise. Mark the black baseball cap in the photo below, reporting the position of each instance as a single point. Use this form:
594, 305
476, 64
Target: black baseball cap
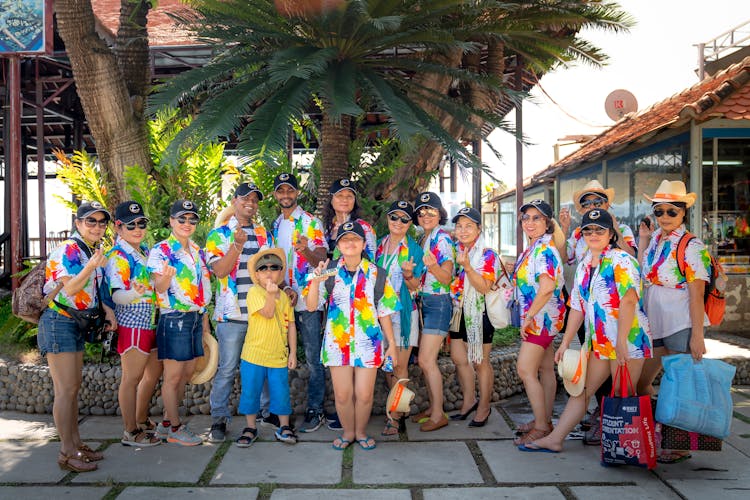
350, 228
246, 188
128, 211
342, 184
470, 213
182, 207
401, 206
285, 178
427, 199
597, 217
91, 207
540, 205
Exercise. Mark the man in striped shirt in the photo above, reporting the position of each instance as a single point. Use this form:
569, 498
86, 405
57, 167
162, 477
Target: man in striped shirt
228, 249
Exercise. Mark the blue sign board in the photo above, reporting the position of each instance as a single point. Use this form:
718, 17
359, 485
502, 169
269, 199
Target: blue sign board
25, 26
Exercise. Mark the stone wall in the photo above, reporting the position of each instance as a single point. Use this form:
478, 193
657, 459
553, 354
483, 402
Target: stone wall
737, 314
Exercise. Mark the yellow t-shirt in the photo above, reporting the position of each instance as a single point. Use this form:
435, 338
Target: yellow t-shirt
266, 339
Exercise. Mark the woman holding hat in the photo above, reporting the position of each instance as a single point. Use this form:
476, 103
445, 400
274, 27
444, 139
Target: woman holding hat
74, 271
359, 318
401, 256
183, 290
538, 288
477, 270
133, 295
606, 299
343, 207
434, 294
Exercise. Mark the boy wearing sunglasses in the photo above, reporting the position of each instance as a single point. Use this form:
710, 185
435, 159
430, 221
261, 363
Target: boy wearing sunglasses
270, 347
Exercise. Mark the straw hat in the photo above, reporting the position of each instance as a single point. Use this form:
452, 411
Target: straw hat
592, 187
270, 255
205, 366
671, 192
224, 216
399, 398
572, 369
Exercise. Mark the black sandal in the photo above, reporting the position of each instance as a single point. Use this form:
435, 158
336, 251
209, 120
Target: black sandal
244, 441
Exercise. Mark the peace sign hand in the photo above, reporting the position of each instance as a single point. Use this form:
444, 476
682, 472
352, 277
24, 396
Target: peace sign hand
168, 271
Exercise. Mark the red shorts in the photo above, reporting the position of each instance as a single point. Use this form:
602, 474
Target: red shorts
135, 338
543, 341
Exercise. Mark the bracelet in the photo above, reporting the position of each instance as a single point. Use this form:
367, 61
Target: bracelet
287, 288
238, 249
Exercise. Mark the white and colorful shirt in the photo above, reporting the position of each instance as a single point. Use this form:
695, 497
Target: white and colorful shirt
440, 244
286, 232
125, 267
190, 289
69, 259
597, 293
353, 336
490, 270
576, 247
370, 240
660, 261
231, 290
541, 258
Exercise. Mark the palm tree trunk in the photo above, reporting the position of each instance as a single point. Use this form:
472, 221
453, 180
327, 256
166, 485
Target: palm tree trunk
335, 140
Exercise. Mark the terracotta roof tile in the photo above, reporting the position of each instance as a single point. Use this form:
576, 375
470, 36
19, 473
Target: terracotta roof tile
162, 29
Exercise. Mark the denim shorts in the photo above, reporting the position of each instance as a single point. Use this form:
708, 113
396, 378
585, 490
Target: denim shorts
179, 336
677, 342
436, 313
58, 333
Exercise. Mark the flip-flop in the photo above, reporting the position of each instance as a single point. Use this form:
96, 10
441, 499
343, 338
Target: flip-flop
343, 444
363, 443
673, 458
533, 448
390, 429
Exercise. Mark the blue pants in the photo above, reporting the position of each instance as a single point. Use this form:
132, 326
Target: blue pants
308, 325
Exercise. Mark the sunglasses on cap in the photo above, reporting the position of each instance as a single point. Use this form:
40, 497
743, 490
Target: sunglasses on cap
532, 218
596, 203
183, 220
92, 222
394, 218
269, 267
130, 226
599, 231
427, 212
672, 212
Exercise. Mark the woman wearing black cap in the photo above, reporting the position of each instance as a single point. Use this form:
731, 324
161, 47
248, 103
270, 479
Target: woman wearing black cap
434, 294
343, 207
74, 274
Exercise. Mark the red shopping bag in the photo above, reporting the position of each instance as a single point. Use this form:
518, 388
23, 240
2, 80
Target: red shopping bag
627, 426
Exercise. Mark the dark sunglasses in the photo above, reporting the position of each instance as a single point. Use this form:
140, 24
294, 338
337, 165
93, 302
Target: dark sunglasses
271, 267
599, 231
92, 222
394, 218
532, 218
596, 203
427, 212
659, 212
192, 220
130, 226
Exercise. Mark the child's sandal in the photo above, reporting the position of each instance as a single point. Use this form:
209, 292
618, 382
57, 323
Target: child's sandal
248, 437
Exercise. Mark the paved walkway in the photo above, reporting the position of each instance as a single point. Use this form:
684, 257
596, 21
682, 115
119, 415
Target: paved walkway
454, 462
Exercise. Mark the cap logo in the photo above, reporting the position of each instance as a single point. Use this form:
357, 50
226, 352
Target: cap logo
464, 210
594, 214
348, 226
402, 204
134, 208
96, 204
536, 202
425, 197
283, 177
345, 182
187, 205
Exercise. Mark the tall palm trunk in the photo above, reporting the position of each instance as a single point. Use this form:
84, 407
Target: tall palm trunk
335, 140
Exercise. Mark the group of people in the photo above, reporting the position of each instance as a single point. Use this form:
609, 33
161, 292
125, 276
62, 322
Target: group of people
355, 303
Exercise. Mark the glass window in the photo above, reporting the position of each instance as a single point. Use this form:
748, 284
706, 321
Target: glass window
490, 229
570, 182
508, 224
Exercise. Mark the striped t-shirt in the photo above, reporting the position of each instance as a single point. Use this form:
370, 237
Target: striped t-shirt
243, 275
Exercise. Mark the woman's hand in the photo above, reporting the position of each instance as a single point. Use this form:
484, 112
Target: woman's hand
393, 353
697, 347
317, 276
644, 232
429, 260
139, 288
97, 259
564, 218
527, 322
407, 268
622, 353
462, 258
561, 351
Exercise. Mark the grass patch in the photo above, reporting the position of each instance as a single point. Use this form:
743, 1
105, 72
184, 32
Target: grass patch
505, 337
209, 471
17, 337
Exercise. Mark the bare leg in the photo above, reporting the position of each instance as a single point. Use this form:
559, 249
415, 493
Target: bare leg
548, 377
364, 387
651, 369
66, 384
133, 364
486, 378
147, 386
529, 361
465, 372
176, 376
342, 378
429, 345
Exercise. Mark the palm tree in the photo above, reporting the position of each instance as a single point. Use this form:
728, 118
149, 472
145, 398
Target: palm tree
434, 68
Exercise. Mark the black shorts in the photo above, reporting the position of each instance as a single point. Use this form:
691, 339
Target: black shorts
487, 330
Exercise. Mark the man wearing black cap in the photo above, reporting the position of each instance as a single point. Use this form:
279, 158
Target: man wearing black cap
228, 249
301, 237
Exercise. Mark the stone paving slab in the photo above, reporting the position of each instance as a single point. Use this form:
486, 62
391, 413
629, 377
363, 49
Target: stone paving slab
740, 427
520, 493
17, 425
170, 463
727, 464
742, 405
312, 494
653, 490
160, 493
110, 427
740, 444
325, 435
303, 463
496, 428
31, 461
53, 492
700, 489
416, 463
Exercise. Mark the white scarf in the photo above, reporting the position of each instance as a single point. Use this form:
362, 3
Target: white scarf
473, 305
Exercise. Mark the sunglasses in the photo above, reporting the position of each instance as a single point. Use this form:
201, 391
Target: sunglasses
192, 220
271, 267
427, 212
596, 203
130, 226
92, 222
532, 218
670, 212
394, 218
599, 231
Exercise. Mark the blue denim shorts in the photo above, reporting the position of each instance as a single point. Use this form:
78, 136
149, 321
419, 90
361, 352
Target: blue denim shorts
436, 313
252, 377
58, 333
179, 336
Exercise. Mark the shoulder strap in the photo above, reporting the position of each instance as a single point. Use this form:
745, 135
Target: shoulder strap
83, 246
380, 284
681, 249
331, 280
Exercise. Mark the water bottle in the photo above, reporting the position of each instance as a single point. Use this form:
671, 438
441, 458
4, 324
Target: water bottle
387, 365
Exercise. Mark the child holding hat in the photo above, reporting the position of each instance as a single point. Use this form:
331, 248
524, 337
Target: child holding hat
270, 347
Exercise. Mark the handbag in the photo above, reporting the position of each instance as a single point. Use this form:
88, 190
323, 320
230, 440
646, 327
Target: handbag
695, 396
90, 321
673, 438
496, 300
627, 426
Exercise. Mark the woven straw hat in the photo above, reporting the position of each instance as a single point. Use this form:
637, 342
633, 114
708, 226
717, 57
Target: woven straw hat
206, 365
671, 192
592, 187
399, 398
572, 369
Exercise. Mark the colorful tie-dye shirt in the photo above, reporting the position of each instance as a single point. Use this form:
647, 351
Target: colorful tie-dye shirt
353, 336
370, 241
218, 242
597, 293
660, 261
68, 260
125, 267
190, 289
576, 246
303, 224
440, 244
541, 258
489, 269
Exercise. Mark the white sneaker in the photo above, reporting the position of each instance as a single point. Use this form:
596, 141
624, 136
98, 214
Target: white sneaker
184, 436
162, 431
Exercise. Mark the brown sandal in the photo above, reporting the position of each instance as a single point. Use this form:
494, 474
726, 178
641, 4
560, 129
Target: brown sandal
531, 436
75, 463
91, 455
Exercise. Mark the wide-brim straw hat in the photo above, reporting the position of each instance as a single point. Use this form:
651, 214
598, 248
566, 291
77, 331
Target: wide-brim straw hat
572, 369
253, 262
224, 216
399, 398
672, 192
206, 365
592, 187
